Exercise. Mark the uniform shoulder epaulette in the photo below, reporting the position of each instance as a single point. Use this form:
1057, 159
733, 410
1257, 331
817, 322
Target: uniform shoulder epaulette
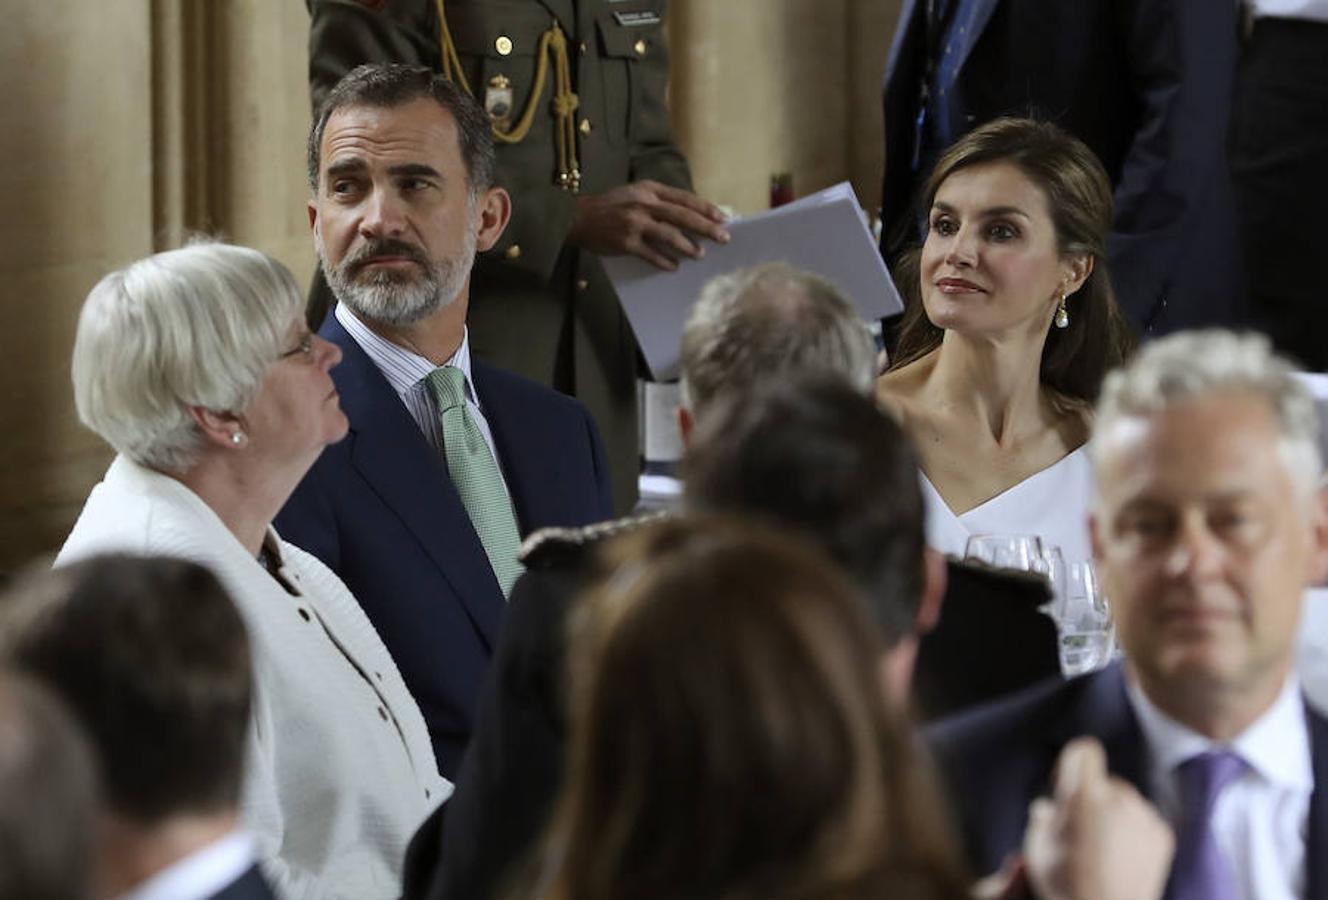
549, 545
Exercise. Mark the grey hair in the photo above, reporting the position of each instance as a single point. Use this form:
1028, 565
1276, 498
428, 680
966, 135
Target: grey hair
1192, 365
752, 325
196, 326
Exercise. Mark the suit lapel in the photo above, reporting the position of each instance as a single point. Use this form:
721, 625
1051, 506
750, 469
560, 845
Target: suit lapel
516, 442
1104, 712
1316, 861
388, 451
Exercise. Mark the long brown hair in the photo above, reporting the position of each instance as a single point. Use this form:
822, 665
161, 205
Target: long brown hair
730, 736
1076, 358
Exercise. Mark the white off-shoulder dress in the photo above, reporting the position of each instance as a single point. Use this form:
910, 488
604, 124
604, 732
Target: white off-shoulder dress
1052, 504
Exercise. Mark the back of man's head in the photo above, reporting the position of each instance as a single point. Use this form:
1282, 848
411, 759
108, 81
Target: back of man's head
819, 458
47, 797
757, 325
152, 659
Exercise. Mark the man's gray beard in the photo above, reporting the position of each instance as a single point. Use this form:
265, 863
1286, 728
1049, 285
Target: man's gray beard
393, 299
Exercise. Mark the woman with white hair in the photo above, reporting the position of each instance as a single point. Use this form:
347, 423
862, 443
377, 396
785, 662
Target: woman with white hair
196, 366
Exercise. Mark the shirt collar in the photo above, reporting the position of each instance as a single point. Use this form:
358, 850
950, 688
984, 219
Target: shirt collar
1276, 745
203, 873
403, 369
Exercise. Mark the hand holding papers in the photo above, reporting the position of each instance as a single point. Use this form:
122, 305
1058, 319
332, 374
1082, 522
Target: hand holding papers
825, 233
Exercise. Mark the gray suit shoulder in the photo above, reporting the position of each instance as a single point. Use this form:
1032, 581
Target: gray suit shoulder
550, 547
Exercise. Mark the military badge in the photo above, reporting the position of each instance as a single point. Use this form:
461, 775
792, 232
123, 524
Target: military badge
498, 101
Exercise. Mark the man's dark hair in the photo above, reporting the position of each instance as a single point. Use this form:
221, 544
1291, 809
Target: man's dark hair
152, 659
388, 85
820, 459
47, 796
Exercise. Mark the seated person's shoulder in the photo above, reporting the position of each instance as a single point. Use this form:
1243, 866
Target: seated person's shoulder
564, 549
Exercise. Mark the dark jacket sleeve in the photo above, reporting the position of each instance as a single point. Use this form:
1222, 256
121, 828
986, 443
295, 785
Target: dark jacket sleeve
1181, 64
513, 766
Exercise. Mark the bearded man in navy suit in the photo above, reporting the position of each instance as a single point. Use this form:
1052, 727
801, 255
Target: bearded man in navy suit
1209, 524
401, 163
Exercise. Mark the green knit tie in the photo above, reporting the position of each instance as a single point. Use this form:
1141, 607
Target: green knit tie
475, 475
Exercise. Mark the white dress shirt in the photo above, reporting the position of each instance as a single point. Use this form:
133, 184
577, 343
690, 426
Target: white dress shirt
201, 874
1291, 9
1262, 818
405, 371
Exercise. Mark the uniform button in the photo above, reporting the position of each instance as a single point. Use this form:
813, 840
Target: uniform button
382, 714
582, 48
582, 284
503, 45
304, 614
427, 795
378, 675
640, 48
585, 126
513, 252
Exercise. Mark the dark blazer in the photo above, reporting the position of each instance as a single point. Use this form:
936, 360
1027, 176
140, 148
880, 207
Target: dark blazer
513, 768
1146, 84
991, 640
997, 759
249, 886
379, 509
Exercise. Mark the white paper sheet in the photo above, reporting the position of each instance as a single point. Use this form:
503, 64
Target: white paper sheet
826, 233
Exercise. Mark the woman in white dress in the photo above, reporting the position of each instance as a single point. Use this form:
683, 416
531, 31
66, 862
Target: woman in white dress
197, 367
1010, 327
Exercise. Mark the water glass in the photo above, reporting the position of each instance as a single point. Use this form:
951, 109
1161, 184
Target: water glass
1087, 638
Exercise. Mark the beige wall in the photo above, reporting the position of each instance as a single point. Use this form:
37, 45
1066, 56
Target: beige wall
130, 123
765, 86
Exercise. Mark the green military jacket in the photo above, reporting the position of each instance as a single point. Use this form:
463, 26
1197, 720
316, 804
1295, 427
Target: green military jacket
539, 307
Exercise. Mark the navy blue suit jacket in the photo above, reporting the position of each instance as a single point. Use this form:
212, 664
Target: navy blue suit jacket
995, 760
1147, 84
379, 509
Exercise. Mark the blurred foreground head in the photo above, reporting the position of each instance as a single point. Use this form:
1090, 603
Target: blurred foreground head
730, 733
152, 659
47, 796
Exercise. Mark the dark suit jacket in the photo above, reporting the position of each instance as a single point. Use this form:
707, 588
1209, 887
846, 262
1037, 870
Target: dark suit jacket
513, 769
991, 640
249, 886
1147, 85
379, 509
997, 759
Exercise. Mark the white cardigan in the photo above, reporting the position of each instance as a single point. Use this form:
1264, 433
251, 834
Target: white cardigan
340, 768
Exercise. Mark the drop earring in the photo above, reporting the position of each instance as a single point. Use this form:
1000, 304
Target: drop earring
1062, 319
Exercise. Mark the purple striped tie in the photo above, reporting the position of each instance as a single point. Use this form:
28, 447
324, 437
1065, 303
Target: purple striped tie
1199, 871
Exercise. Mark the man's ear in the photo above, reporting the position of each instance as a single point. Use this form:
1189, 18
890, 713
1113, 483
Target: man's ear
313, 215
1318, 574
933, 591
494, 211
220, 428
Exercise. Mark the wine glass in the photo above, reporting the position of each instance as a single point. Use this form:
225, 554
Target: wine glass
1025, 552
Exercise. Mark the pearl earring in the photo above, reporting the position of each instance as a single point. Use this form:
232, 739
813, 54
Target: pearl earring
1062, 319
237, 438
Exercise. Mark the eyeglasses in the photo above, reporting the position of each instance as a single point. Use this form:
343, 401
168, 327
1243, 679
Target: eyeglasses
305, 346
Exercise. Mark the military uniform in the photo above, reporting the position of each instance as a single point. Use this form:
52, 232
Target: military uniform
537, 306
